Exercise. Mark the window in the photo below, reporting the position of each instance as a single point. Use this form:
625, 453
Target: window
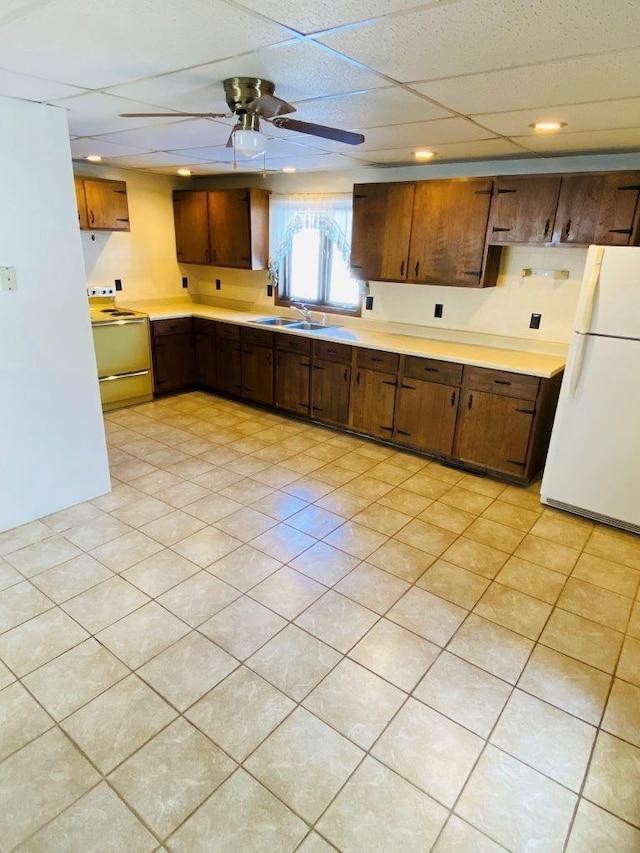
310, 251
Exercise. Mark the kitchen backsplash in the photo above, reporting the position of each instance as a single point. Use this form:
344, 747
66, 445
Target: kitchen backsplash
503, 310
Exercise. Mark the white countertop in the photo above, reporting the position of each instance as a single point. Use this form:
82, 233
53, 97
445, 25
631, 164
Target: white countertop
478, 355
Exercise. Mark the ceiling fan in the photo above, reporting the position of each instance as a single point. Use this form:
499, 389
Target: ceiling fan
252, 99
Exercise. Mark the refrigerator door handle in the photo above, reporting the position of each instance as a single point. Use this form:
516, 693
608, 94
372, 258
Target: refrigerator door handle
583, 323
576, 367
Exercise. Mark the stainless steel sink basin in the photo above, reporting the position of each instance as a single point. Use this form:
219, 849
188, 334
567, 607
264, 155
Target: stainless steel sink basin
309, 327
276, 321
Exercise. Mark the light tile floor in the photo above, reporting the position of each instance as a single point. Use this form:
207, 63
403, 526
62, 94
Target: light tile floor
273, 637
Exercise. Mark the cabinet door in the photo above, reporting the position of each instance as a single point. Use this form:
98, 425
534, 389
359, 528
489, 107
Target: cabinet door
426, 415
229, 228
372, 402
257, 373
192, 227
493, 431
205, 360
107, 208
330, 383
173, 362
292, 391
229, 360
81, 203
523, 210
381, 230
449, 231
598, 209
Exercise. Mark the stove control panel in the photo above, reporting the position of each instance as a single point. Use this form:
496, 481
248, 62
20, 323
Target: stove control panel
101, 291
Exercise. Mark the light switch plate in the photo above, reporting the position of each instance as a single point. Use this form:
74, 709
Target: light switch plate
8, 279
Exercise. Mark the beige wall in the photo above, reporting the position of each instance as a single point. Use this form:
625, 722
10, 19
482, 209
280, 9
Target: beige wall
145, 258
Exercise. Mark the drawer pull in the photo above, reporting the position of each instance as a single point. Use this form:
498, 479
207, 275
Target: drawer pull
304, 364
513, 462
431, 370
527, 411
393, 382
476, 273
386, 429
409, 387
494, 229
317, 367
501, 382
378, 360
402, 432
620, 231
332, 350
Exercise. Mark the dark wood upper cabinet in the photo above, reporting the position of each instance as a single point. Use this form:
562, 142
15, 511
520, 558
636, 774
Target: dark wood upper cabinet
192, 227
598, 208
448, 233
239, 228
523, 210
381, 231
81, 203
105, 205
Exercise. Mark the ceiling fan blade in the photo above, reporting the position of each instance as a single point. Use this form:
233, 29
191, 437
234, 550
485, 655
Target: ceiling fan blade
268, 106
174, 115
320, 130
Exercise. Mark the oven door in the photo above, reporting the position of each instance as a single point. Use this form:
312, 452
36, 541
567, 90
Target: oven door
122, 346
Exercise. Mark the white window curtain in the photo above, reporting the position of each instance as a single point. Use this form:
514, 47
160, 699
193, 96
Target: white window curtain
290, 214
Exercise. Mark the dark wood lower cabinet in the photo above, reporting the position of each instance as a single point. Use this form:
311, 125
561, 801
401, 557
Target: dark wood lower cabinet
206, 360
330, 383
292, 382
494, 431
426, 416
372, 402
173, 362
229, 357
257, 373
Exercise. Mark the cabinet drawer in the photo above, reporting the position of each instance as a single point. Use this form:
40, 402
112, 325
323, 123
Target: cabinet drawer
229, 331
204, 327
259, 337
332, 352
179, 326
502, 382
378, 360
432, 370
293, 343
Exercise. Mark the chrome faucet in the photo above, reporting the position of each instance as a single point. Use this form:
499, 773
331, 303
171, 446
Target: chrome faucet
304, 310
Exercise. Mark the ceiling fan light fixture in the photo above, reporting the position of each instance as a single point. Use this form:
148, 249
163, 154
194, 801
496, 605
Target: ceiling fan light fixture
424, 154
249, 143
94, 158
548, 126
184, 172
288, 169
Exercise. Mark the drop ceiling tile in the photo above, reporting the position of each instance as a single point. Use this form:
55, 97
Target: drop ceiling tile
96, 113
81, 148
313, 163
206, 169
33, 88
604, 115
101, 44
299, 70
154, 158
187, 133
587, 78
597, 141
478, 150
376, 108
314, 17
422, 133
481, 35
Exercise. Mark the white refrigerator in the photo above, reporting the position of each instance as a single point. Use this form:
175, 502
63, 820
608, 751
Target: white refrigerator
593, 465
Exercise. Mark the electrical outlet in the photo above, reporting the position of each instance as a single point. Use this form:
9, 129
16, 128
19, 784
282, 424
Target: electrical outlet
269, 290
534, 322
185, 281
218, 285
8, 278
118, 284
368, 304
438, 309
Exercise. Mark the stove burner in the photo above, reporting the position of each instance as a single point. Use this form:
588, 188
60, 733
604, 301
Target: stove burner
117, 312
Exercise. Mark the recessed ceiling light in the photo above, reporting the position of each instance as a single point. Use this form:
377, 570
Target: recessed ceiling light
288, 168
424, 154
94, 158
548, 126
184, 172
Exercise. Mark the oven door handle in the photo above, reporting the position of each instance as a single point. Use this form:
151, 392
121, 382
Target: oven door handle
122, 375
98, 323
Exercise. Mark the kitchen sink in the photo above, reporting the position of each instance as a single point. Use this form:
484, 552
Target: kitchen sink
276, 321
309, 327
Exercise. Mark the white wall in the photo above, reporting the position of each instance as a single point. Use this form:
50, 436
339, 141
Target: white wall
144, 258
52, 445
503, 310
